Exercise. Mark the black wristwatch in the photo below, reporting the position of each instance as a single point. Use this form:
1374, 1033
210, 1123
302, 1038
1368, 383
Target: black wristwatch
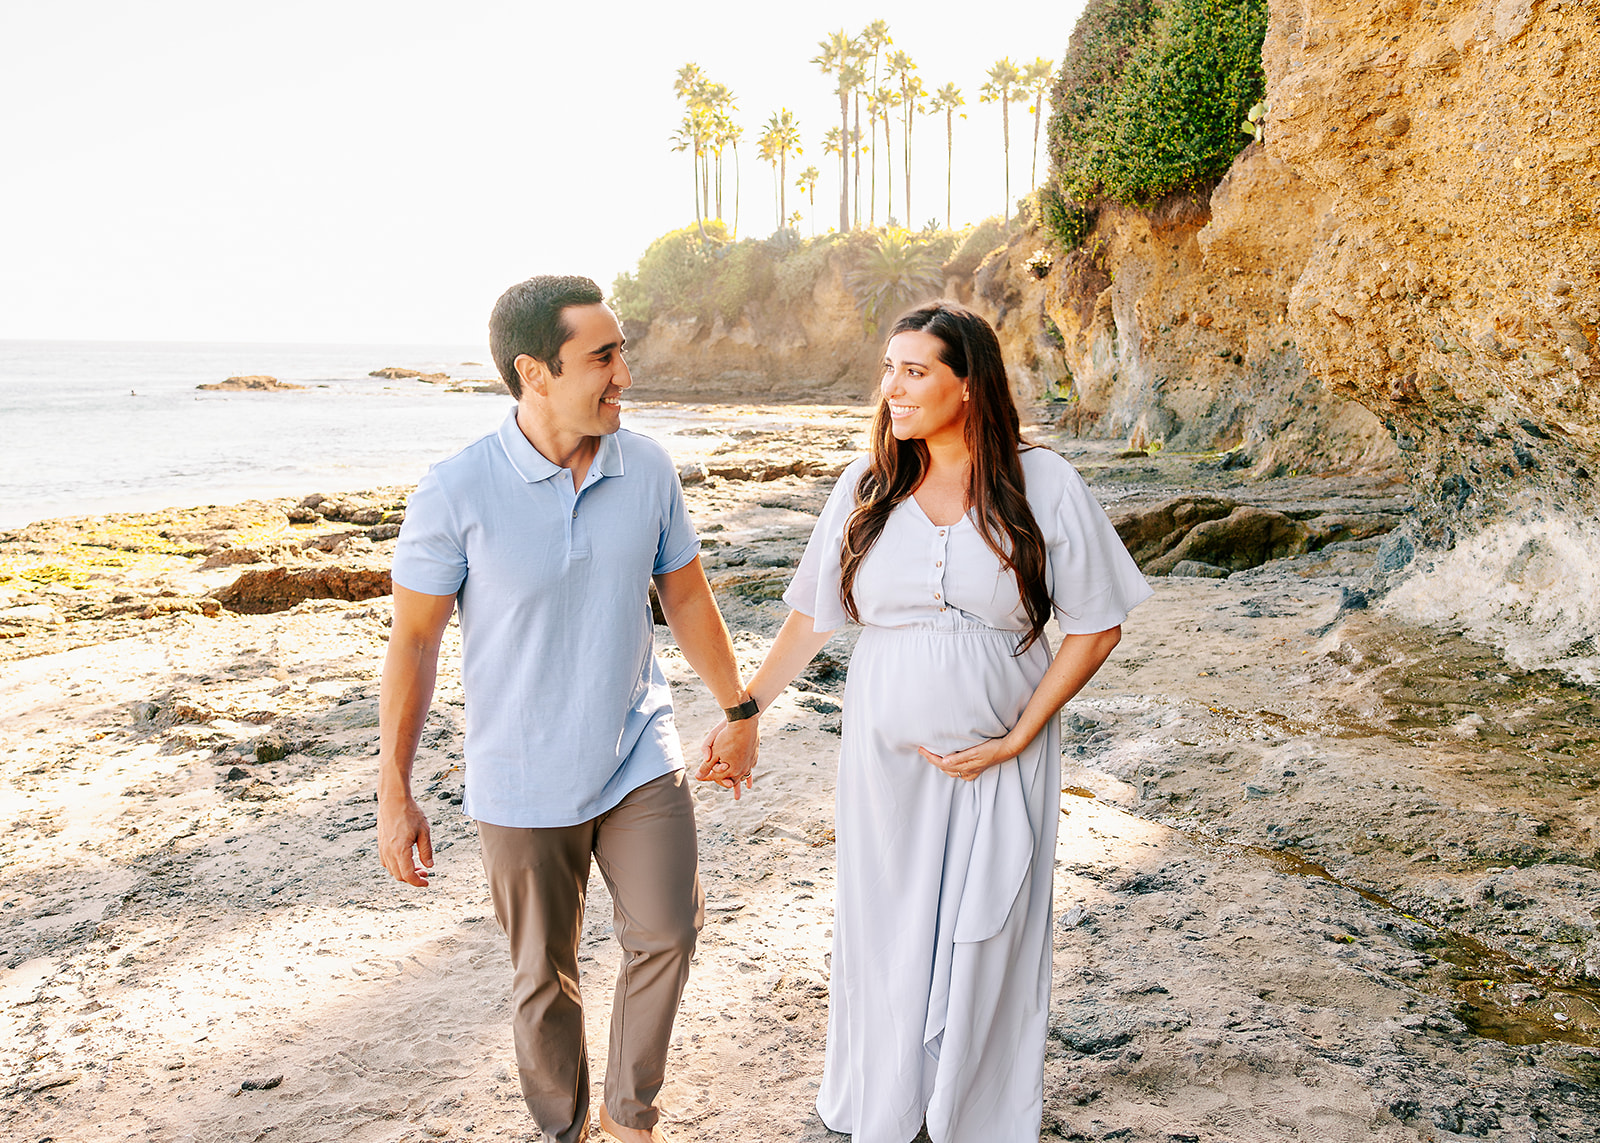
747, 709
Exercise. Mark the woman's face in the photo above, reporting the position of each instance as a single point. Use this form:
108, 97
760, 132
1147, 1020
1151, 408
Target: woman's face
927, 401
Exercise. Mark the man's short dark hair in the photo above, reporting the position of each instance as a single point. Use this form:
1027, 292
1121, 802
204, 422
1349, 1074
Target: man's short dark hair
527, 319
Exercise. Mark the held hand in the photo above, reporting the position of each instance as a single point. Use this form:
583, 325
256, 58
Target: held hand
728, 755
974, 760
402, 826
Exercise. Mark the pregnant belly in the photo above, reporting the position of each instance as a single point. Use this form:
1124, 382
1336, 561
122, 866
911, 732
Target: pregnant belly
940, 689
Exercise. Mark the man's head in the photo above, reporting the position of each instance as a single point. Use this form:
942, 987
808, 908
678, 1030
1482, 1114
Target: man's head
559, 349
527, 320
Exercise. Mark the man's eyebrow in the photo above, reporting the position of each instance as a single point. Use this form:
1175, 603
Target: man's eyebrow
608, 347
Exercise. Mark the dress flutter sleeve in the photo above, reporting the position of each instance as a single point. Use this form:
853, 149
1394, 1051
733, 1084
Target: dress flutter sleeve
1094, 582
814, 590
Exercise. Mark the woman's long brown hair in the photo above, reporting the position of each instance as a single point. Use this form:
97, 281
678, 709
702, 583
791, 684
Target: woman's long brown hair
993, 433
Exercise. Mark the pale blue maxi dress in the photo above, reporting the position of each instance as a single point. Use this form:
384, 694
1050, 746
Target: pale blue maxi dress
940, 981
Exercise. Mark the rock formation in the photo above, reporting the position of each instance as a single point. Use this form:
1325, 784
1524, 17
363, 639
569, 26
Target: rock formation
1169, 325
1457, 291
813, 348
398, 373
255, 382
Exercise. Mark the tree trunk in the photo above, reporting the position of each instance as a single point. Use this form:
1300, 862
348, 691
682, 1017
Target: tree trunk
888, 168
856, 147
736, 190
949, 160
1005, 127
1033, 173
844, 161
905, 143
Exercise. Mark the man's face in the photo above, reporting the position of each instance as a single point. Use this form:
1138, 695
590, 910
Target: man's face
586, 399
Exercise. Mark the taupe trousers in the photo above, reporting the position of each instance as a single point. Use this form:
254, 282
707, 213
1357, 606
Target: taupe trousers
646, 849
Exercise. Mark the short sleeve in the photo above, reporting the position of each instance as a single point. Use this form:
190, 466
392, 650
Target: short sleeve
678, 543
814, 590
428, 556
1094, 582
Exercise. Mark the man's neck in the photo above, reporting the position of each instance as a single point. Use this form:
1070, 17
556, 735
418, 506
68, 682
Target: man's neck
569, 450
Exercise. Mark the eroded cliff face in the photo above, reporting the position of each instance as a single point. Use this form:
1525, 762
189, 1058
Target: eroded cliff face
1171, 325
813, 348
1458, 294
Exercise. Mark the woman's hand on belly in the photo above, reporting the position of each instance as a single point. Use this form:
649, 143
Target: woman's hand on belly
974, 760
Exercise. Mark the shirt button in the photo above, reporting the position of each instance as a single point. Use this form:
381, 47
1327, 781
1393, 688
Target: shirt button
941, 531
936, 596
938, 563
574, 513
941, 609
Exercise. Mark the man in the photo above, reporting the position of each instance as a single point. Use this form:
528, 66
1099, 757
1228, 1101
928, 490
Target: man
547, 535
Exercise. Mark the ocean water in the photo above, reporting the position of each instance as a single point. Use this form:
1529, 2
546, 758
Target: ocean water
94, 427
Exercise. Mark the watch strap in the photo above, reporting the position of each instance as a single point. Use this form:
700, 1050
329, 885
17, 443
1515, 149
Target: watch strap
747, 709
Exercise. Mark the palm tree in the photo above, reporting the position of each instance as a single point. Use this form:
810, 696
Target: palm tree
874, 38
808, 183
780, 140
947, 99
690, 86
901, 66
1002, 89
1036, 77
897, 272
690, 136
731, 134
885, 99
719, 103
835, 59
858, 81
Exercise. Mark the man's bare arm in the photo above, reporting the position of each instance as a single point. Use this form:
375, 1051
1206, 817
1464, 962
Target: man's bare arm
697, 625
409, 671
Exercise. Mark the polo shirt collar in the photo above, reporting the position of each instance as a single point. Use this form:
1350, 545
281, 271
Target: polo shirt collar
533, 466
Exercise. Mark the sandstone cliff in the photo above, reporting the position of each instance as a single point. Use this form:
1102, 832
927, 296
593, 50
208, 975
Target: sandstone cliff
811, 346
1457, 294
1170, 325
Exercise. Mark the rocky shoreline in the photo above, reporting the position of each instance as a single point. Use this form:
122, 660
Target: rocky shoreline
1323, 873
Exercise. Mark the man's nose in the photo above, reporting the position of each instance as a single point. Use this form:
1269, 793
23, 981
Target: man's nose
623, 378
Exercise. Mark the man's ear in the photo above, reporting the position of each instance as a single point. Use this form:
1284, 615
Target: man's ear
534, 374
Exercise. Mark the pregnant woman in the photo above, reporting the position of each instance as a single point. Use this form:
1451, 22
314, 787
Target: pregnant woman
952, 544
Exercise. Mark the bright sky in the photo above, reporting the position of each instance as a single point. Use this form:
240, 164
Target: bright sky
355, 171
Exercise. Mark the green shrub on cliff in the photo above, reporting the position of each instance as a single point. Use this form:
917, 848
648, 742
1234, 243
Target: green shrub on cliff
975, 246
898, 271
1149, 100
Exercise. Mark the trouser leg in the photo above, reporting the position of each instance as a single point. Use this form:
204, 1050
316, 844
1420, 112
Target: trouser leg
646, 849
537, 879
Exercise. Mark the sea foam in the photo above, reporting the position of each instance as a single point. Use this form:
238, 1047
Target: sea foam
1528, 586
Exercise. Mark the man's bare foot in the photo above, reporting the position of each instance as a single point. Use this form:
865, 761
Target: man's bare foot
629, 1134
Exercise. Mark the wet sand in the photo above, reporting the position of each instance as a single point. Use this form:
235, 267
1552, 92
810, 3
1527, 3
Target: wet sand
1322, 875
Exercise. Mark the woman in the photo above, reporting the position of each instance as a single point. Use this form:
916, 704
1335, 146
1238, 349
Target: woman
951, 544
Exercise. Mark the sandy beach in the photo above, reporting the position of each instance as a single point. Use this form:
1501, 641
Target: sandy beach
1321, 875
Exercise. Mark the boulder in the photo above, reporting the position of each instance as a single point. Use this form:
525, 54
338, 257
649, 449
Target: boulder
1151, 532
280, 588
1247, 537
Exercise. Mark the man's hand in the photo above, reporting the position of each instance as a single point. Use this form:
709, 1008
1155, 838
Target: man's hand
402, 827
729, 754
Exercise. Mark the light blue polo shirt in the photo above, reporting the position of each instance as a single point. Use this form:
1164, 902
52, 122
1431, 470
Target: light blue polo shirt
567, 709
